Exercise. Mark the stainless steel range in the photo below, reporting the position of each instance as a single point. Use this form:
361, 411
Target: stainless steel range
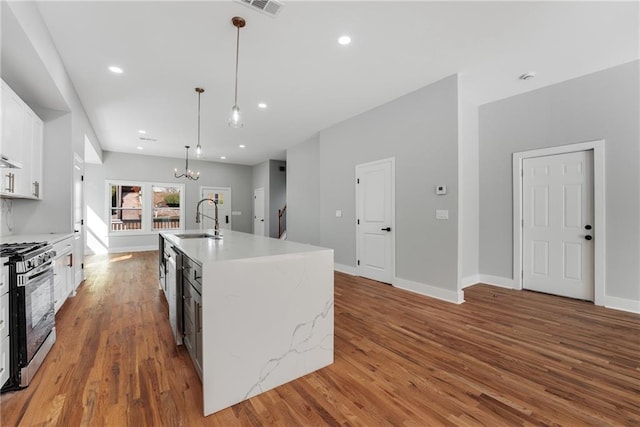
31, 304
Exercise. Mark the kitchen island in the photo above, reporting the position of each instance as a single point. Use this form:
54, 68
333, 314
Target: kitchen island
265, 311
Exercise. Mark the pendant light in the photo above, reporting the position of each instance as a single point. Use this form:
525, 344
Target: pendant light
188, 173
235, 119
199, 147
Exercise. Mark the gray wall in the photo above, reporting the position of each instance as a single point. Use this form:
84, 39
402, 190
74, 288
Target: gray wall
131, 167
604, 105
260, 179
421, 131
277, 194
303, 191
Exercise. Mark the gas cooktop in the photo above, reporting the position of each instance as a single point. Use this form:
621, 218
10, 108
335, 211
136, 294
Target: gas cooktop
20, 249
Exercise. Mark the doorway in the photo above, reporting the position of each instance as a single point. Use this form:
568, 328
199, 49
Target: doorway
208, 209
559, 233
375, 220
258, 211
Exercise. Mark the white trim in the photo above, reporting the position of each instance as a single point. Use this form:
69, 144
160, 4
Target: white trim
456, 297
123, 249
467, 281
393, 210
346, 269
599, 220
499, 281
630, 305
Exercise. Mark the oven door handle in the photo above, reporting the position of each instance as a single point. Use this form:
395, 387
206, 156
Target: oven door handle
41, 270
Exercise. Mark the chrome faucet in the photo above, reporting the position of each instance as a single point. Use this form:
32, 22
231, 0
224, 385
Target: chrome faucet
216, 227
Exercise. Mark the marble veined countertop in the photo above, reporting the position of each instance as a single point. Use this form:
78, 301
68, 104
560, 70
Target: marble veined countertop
234, 245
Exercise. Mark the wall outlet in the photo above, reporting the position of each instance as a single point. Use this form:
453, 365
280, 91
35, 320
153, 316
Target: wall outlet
442, 213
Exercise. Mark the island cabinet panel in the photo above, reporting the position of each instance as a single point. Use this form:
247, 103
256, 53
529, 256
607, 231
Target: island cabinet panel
258, 312
192, 309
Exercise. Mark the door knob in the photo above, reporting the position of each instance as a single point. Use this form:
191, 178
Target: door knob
386, 229
588, 237
587, 227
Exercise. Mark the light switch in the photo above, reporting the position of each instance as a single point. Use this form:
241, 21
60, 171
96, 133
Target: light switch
441, 190
442, 213
338, 214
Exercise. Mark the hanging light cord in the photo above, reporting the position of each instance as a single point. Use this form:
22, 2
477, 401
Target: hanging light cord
199, 93
235, 102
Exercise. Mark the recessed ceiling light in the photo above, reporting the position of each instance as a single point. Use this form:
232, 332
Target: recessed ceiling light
115, 69
142, 131
241, 145
223, 157
140, 148
527, 76
344, 40
262, 105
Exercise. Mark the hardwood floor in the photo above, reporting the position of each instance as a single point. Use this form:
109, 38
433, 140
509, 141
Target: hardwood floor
502, 358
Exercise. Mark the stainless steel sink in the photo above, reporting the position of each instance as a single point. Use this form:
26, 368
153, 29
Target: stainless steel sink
197, 236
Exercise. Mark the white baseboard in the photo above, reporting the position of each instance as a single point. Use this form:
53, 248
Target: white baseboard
123, 249
499, 281
346, 269
632, 306
469, 280
456, 297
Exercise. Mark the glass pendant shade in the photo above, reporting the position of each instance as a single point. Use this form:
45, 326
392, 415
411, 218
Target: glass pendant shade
235, 119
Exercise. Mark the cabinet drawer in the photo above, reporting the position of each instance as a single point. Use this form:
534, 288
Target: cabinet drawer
192, 272
4, 359
4, 315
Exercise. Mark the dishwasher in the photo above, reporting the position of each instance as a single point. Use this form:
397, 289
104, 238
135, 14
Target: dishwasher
174, 291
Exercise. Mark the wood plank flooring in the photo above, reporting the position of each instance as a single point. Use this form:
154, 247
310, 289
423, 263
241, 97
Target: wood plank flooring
502, 358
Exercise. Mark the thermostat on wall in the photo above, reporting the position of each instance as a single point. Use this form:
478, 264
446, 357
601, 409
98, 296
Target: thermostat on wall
441, 189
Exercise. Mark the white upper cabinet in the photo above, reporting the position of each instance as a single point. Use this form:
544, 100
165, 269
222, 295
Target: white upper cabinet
12, 111
21, 145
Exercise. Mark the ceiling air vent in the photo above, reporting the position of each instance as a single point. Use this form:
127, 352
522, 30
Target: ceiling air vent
268, 7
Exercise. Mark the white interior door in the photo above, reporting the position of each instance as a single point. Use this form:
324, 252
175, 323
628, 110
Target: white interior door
558, 252
375, 220
78, 219
224, 207
258, 211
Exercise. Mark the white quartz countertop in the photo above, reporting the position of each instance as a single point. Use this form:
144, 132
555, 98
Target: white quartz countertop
234, 245
50, 238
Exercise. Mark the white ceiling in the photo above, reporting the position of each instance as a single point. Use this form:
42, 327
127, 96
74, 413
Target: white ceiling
294, 63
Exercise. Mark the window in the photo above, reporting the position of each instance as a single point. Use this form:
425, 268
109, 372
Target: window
166, 207
142, 207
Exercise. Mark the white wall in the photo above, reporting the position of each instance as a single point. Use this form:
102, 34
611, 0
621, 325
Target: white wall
130, 167
303, 192
603, 105
421, 131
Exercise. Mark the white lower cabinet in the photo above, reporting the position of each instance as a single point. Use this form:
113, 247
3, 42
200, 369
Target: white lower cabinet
63, 272
4, 359
4, 338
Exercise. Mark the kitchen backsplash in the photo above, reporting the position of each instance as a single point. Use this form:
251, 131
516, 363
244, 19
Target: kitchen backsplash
6, 217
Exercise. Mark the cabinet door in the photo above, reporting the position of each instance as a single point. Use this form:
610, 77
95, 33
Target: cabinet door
12, 111
32, 166
4, 359
4, 315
